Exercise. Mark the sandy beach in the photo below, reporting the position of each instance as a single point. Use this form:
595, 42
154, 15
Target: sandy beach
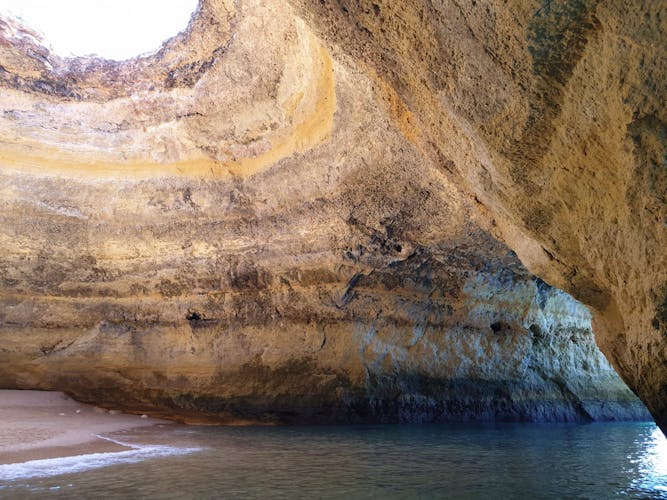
39, 424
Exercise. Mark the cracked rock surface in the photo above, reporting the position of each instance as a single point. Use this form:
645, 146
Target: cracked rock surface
326, 212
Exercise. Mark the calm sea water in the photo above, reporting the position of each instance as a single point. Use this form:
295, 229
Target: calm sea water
605, 460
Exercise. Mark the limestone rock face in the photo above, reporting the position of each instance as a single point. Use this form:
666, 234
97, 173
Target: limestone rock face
553, 114
286, 215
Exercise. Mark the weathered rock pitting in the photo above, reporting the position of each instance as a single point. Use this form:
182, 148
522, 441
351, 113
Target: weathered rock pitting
553, 114
261, 223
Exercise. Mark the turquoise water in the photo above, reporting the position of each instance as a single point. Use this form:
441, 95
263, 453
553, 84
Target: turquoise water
604, 460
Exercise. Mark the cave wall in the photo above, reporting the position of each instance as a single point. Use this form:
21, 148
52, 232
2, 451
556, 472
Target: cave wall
552, 113
286, 315
288, 215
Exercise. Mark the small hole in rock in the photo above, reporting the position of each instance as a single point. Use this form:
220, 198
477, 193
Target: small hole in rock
193, 316
535, 330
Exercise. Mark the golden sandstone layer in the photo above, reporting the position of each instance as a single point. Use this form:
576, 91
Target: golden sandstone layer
321, 211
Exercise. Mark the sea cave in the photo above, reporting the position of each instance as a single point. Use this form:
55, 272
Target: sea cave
329, 213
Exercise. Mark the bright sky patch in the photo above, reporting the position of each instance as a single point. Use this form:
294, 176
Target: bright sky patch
113, 29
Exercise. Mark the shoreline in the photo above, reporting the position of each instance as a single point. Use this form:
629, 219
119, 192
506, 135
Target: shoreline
44, 453
37, 425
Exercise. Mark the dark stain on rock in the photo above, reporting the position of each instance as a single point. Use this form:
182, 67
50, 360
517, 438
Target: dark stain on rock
500, 327
543, 291
648, 192
660, 319
188, 74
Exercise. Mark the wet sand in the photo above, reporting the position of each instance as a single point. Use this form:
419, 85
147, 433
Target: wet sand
37, 424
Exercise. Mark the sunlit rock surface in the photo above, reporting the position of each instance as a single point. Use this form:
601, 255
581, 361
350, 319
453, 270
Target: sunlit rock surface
552, 113
280, 219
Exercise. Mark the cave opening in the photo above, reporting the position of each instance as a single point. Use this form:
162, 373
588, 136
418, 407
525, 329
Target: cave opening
111, 29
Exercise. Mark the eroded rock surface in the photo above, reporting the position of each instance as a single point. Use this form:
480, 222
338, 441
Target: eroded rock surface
552, 112
274, 219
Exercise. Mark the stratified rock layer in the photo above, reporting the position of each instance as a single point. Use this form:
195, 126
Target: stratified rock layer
286, 314
552, 112
260, 224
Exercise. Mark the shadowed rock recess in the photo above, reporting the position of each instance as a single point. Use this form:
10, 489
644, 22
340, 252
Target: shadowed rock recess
344, 211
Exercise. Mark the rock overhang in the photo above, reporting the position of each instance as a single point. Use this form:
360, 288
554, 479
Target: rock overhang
195, 117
